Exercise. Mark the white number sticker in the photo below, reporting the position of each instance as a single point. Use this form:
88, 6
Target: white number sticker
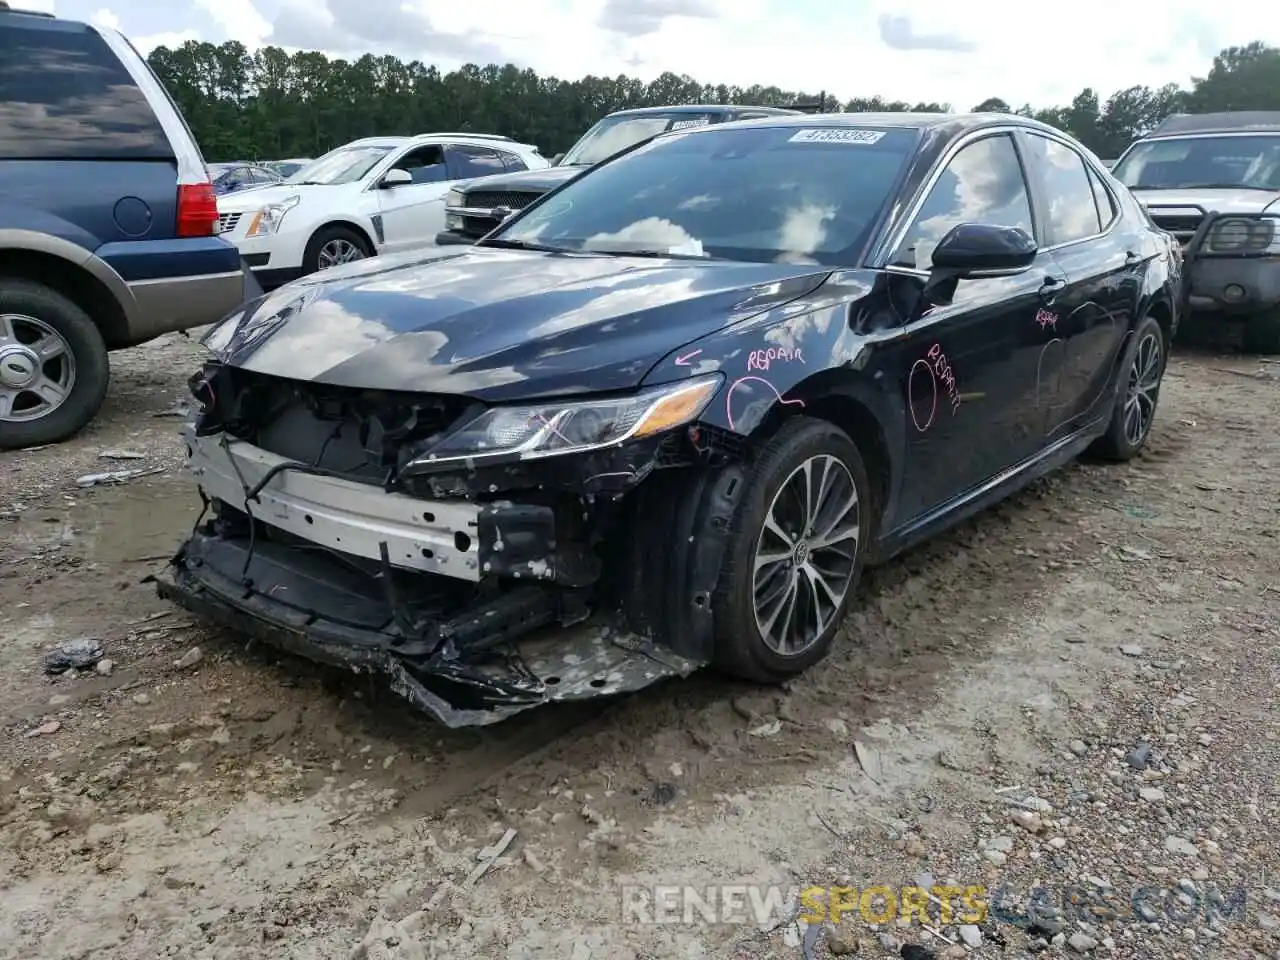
837, 136
682, 124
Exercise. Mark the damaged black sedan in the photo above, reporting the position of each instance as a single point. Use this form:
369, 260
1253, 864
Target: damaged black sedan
662, 417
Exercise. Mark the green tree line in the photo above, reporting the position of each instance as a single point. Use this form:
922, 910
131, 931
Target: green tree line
270, 104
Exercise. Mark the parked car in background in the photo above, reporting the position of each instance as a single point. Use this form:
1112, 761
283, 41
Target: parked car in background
287, 168
473, 211
371, 196
232, 177
107, 221
1213, 180
663, 417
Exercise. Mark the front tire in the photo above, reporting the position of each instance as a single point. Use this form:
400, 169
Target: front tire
794, 554
333, 246
54, 370
1139, 393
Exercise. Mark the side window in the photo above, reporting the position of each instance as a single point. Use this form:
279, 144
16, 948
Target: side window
1106, 206
983, 183
466, 162
64, 95
513, 163
425, 165
1064, 180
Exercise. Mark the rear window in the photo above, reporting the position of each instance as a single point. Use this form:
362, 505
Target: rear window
64, 95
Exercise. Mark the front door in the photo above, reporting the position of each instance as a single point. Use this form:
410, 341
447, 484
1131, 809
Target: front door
965, 372
1084, 328
413, 213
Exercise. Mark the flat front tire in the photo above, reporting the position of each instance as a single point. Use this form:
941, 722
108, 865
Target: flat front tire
53, 365
794, 554
1139, 393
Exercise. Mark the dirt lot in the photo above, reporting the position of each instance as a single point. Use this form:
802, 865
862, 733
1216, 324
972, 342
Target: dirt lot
1079, 687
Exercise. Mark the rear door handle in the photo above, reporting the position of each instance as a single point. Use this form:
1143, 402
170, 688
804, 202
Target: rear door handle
1051, 287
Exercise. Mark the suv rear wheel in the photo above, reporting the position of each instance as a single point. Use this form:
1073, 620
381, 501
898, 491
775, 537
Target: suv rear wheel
53, 365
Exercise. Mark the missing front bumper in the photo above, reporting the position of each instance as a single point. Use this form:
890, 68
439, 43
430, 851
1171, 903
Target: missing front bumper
314, 606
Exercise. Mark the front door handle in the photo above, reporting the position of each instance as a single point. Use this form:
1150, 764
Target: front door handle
1051, 287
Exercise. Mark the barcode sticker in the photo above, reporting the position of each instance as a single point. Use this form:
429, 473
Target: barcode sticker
837, 136
696, 122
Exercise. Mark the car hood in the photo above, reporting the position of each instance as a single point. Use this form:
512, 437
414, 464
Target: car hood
498, 324
530, 181
1223, 201
255, 198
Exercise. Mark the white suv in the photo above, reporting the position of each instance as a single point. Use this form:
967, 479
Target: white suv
371, 196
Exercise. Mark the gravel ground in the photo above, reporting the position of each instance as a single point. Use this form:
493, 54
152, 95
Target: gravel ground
1068, 703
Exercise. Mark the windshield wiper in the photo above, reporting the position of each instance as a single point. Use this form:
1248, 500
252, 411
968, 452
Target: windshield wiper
506, 244
312, 183
655, 254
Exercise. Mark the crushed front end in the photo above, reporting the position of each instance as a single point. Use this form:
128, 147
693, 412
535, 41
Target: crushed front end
484, 559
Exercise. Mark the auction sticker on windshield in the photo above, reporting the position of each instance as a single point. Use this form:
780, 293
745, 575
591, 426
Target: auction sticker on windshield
697, 122
837, 136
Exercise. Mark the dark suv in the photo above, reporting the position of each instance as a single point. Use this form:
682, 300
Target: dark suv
472, 212
108, 221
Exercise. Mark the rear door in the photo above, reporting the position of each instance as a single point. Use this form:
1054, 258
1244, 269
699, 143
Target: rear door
966, 369
467, 162
1083, 330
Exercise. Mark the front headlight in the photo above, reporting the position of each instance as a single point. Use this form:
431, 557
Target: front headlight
267, 220
455, 198
1242, 235
551, 429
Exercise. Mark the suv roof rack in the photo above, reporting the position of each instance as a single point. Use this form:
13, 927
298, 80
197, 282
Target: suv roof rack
4, 5
1233, 121
463, 133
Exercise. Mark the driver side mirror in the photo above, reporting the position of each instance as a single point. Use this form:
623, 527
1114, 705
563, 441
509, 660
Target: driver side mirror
556, 159
977, 250
395, 178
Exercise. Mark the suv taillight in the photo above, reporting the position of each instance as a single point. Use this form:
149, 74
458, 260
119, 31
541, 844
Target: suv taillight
197, 210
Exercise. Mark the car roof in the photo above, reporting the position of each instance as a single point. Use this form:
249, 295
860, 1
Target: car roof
481, 139
699, 108
947, 124
1237, 121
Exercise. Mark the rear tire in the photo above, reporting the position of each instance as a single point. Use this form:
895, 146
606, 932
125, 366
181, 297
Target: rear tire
52, 359
787, 562
330, 242
1137, 396
1262, 332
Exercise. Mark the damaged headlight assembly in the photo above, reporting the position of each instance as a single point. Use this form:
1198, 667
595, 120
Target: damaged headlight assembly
536, 431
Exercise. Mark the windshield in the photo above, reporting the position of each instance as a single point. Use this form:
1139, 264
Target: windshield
782, 194
617, 133
1227, 162
344, 165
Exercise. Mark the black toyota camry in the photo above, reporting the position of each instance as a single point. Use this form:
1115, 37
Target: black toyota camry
662, 417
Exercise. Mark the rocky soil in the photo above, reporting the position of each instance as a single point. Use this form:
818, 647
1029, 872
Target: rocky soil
1069, 702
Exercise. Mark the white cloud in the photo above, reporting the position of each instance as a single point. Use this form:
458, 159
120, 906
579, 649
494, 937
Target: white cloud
953, 55
105, 18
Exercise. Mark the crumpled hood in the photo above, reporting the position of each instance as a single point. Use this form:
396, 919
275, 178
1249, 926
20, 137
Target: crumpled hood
498, 324
1223, 201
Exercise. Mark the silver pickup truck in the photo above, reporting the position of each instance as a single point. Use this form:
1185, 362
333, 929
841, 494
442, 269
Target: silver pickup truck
1213, 180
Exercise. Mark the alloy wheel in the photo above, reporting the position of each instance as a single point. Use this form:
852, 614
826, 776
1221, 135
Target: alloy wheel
336, 251
806, 555
37, 368
1143, 388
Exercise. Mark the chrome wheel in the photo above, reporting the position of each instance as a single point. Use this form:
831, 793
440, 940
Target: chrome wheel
1143, 388
336, 251
806, 555
37, 368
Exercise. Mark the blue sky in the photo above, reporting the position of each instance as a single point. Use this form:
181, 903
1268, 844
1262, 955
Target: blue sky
908, 49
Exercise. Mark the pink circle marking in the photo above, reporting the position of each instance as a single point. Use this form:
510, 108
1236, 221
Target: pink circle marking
911, 394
